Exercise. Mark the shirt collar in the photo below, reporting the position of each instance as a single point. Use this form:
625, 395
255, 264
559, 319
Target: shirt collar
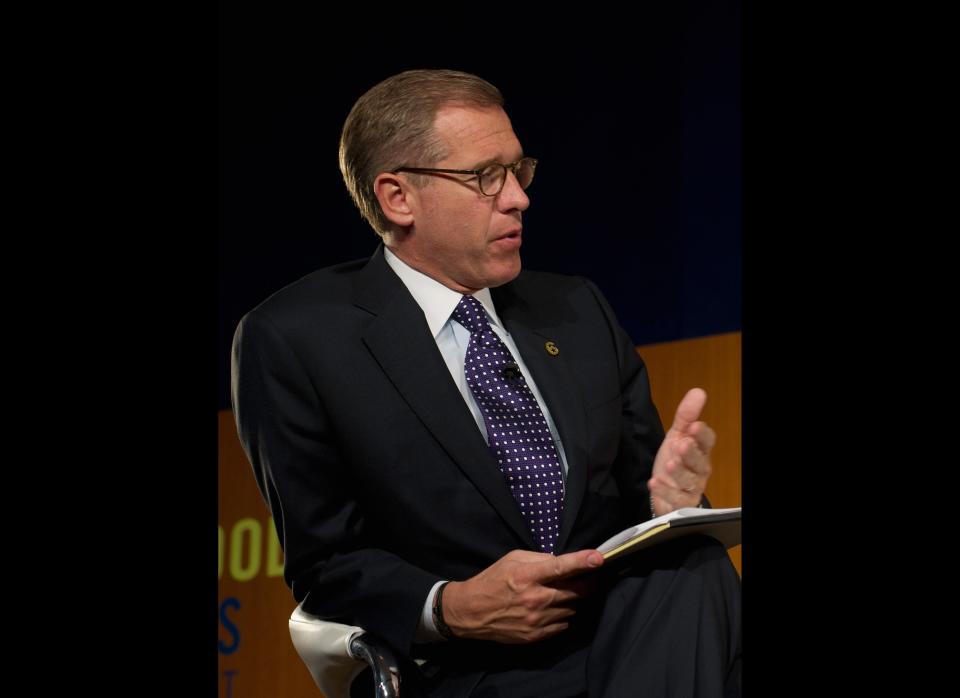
436, 300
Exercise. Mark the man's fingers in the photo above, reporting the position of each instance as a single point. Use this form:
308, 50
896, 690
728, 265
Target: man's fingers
568, 565
689, 409
690, 474
556, 614
527, 556
688, 455
705, 437
665, 491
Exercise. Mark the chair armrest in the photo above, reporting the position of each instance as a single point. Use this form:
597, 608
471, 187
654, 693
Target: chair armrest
335, 654
383, 663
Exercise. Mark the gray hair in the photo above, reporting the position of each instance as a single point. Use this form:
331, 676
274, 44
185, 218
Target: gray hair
391, 126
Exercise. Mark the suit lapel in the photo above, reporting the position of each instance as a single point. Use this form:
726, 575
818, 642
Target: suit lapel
402, 345
559, 388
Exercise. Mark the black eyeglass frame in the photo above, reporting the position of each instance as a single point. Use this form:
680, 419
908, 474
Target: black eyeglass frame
512, 166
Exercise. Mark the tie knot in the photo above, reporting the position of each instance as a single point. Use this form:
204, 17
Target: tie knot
470, 313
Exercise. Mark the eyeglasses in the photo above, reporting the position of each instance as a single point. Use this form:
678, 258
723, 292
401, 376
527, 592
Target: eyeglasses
491, 177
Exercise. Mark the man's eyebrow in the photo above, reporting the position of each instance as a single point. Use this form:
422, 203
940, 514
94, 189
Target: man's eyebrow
494, 161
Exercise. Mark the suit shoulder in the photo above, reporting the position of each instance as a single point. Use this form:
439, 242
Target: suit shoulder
316, 295
542, 285
553, 298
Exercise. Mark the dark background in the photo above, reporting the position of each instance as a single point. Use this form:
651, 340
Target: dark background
635, 119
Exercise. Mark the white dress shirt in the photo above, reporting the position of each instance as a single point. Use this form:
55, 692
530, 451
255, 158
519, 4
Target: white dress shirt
438, 303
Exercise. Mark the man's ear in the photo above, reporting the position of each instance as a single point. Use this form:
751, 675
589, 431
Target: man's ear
395, 196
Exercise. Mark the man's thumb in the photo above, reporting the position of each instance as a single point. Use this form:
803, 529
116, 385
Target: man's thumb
689, 409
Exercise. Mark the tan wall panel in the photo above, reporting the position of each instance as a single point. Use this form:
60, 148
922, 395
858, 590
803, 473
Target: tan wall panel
265, 662
711, 363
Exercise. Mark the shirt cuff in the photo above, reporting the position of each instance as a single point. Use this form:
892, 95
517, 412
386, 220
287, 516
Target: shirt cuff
426, 630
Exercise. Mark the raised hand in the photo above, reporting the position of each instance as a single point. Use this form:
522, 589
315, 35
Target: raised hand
682, 465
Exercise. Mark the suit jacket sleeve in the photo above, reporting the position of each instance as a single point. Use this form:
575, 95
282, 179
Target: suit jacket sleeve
286, 432
641, 430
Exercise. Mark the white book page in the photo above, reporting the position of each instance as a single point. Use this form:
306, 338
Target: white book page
640, 529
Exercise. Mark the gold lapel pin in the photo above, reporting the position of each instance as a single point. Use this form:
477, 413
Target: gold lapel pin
552, 348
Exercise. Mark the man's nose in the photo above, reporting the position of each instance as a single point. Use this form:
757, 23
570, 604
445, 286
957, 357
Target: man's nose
512, 196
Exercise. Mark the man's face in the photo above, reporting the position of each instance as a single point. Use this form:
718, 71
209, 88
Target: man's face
461, 238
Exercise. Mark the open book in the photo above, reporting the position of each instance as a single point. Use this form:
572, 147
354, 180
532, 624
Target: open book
722, 524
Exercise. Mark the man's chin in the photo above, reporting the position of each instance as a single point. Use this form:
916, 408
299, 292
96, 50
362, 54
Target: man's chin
506, 273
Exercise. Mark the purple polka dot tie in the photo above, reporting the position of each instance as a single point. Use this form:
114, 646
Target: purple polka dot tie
516, 429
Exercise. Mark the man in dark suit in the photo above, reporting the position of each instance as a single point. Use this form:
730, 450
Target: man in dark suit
443, 438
